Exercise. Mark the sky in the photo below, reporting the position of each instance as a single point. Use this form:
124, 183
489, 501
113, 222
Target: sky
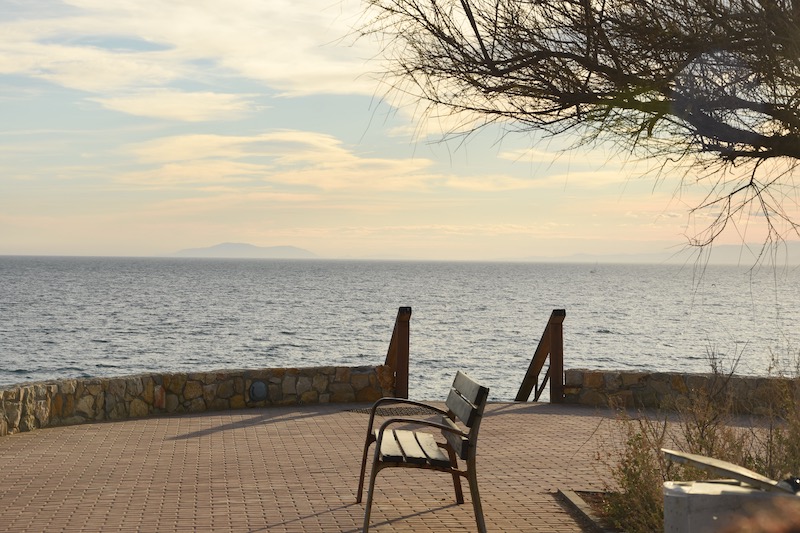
143, 127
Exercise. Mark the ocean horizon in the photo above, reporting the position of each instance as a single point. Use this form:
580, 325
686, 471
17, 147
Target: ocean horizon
753, 255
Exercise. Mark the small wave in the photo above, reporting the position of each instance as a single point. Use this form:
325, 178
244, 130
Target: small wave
604, 331
103, 365
291, 345
126, 332
101, 341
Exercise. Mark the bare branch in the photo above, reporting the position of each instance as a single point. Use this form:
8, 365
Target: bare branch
703, 82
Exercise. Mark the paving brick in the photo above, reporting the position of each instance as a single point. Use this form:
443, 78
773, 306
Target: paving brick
289, 469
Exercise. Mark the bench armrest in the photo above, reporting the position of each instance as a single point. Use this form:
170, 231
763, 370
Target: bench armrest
405, 401
408, 402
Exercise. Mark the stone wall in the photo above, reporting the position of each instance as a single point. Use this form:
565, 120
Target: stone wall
749, 395
75, 401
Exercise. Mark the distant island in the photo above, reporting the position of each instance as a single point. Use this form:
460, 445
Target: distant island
744, 255
234, 250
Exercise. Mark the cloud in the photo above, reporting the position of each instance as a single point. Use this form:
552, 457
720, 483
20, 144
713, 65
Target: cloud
294, 47
83, 68
438, 231
231, 202
424, 120
200, 171
528, 155
292, 158
178, 105
323, 162
572, 182
489, 183
189, 147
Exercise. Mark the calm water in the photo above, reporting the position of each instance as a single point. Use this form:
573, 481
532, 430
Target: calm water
71, 317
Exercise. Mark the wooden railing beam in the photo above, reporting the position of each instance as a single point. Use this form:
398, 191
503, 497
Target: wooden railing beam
551, 344
397, 357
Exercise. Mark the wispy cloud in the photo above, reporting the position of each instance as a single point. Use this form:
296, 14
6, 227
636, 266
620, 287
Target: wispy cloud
292, 47
527, 155
178, 105
192, 173
490, 183
294, 158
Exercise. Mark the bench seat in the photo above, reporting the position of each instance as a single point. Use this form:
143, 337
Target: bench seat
399, 446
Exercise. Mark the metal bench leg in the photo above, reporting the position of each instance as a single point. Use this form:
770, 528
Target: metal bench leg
370, 493
456, 477
472, 476
370, 439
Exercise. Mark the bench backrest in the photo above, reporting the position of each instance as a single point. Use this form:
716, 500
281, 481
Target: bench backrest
465, 403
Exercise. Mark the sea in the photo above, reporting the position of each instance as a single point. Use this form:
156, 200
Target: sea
71, 317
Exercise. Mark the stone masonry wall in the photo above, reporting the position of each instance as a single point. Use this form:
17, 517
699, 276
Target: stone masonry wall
75, 401
750, 395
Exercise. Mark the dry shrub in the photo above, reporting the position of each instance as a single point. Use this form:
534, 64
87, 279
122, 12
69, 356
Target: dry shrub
639, 470
705, 425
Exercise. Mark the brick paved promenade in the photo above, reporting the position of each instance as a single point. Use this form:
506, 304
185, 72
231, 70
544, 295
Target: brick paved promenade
288, 469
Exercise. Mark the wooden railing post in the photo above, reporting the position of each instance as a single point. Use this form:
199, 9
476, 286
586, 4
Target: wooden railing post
551, 344
557, 356
398, 354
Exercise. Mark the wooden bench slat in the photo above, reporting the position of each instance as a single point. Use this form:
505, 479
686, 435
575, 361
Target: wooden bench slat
472, 391
390, 450
411, 449
436, 455
400, 446
463, 410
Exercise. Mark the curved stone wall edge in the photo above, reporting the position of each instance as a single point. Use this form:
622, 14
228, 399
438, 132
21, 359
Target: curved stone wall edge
76, 401
672, 391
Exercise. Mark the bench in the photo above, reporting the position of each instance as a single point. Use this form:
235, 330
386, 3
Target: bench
419, 449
